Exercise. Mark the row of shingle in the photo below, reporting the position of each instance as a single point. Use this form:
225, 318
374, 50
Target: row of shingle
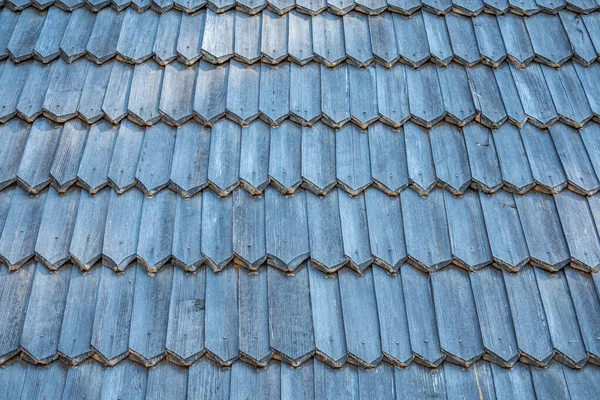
370, 7
148, 93
311, 381
334, 231
533, 316
190, 159
361, 40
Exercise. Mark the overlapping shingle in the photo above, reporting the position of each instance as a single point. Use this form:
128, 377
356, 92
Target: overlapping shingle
472, 231
368, 7
181, 317
356, 38
192, 158
279, 380
261, 156
148, 93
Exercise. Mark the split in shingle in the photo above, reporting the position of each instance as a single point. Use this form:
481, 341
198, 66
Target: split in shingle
561, 317
438, 37
420, 312
353, 164
450, 158
93, 92
483, 158
529, 319
156, 230
286, 248
505, 234
425, 222
116, 99
136, 38
467, 230
103, 41
514, 165
489, 40
386, 228
185, 332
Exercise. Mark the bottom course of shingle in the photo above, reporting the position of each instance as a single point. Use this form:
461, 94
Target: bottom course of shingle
313, 380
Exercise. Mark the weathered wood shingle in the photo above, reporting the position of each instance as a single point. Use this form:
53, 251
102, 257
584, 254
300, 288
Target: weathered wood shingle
259, 199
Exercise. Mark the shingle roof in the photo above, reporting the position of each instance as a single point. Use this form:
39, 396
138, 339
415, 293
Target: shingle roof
371, 199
